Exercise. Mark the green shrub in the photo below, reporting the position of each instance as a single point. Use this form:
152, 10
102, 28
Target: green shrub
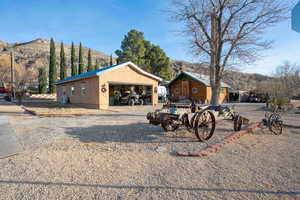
278, 103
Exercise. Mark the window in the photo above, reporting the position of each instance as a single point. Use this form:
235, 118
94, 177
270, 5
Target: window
72, 90
177, 90
83, 89
222, 90
194, 90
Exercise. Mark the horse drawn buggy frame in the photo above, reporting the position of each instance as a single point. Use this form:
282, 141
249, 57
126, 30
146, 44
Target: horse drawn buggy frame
201, 120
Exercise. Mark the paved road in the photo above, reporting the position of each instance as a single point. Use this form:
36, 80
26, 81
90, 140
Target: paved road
8, 141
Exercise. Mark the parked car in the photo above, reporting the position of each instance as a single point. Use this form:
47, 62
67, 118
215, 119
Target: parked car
162, 93
3, 90
255, 99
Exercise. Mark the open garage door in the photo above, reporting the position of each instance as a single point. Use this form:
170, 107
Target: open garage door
130, 94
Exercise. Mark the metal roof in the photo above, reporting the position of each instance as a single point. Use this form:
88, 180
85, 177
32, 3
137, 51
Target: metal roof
295, 17
98, 72
200, 78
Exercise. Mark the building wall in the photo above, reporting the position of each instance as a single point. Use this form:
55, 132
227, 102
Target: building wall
222, 97
125, 75
198, 91
91, 96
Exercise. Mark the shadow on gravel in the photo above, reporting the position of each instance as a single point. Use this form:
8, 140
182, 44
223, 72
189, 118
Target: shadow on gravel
262, 108
139, 187
142, 133
10, 113
291, 126
112, 115
130, 133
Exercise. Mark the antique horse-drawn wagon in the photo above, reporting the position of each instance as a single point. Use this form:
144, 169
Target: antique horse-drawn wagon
201, 120
196, 119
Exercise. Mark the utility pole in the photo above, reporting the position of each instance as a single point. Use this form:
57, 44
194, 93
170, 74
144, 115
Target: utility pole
12, 67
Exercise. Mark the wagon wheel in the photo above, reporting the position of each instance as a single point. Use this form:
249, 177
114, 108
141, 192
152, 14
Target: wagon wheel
275, 124
188, 123
205, 125
237, 123
229, 116
185, 120
276, 127
169, 125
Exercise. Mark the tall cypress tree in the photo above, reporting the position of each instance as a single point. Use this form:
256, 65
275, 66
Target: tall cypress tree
52, 67
73, 61
42, 80
63, 65
111, 60
97, 64
90, 65
80, 61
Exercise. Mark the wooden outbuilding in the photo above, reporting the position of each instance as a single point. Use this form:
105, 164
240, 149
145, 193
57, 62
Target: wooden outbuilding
97, 89
188, 85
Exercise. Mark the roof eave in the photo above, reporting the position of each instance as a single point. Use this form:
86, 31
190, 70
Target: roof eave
135, 67
75, 79
194, 78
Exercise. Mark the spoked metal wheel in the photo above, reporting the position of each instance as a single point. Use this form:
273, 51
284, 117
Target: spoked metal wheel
229, 116
205, 125
275, 124
169, 125
276, 127
189, 121
237, 123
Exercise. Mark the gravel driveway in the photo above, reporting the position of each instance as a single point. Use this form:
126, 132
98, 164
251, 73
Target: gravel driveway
121, 156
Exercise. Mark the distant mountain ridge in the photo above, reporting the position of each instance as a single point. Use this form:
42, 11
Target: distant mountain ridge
35, 54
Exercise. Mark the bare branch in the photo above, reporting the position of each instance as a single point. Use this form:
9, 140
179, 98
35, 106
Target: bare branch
228, 31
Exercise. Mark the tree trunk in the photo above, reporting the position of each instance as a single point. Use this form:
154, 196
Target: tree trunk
215, 96
215, 69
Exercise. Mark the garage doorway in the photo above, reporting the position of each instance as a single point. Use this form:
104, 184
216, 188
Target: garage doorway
124, 94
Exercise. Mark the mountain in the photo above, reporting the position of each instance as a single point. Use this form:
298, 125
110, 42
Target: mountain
29, 56
35, 54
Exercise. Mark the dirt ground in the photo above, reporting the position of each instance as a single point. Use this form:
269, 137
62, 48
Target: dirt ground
118, 155
48, 108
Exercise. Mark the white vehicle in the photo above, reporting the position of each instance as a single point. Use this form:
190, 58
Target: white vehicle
162, 93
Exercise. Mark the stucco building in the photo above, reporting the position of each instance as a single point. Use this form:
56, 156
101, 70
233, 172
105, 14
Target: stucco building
97, 89
195, 86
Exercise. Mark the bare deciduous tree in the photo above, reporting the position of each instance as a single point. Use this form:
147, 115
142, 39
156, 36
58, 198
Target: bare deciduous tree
288, 75
4, 75
225, 32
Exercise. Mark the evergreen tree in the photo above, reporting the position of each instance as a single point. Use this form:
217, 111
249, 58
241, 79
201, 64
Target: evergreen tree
90, 66
52, 67
73, 61
97, 64
157, 62
63, 64
146, 55
80, 61
111, 60
42, 78
132, 48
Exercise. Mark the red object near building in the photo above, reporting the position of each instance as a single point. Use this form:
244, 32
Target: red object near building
3, 90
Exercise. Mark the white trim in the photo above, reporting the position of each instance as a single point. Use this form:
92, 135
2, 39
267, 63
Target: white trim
83, 89
72, 89
135, 67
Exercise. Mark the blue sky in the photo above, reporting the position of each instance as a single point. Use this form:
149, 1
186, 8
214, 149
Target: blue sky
101, 25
